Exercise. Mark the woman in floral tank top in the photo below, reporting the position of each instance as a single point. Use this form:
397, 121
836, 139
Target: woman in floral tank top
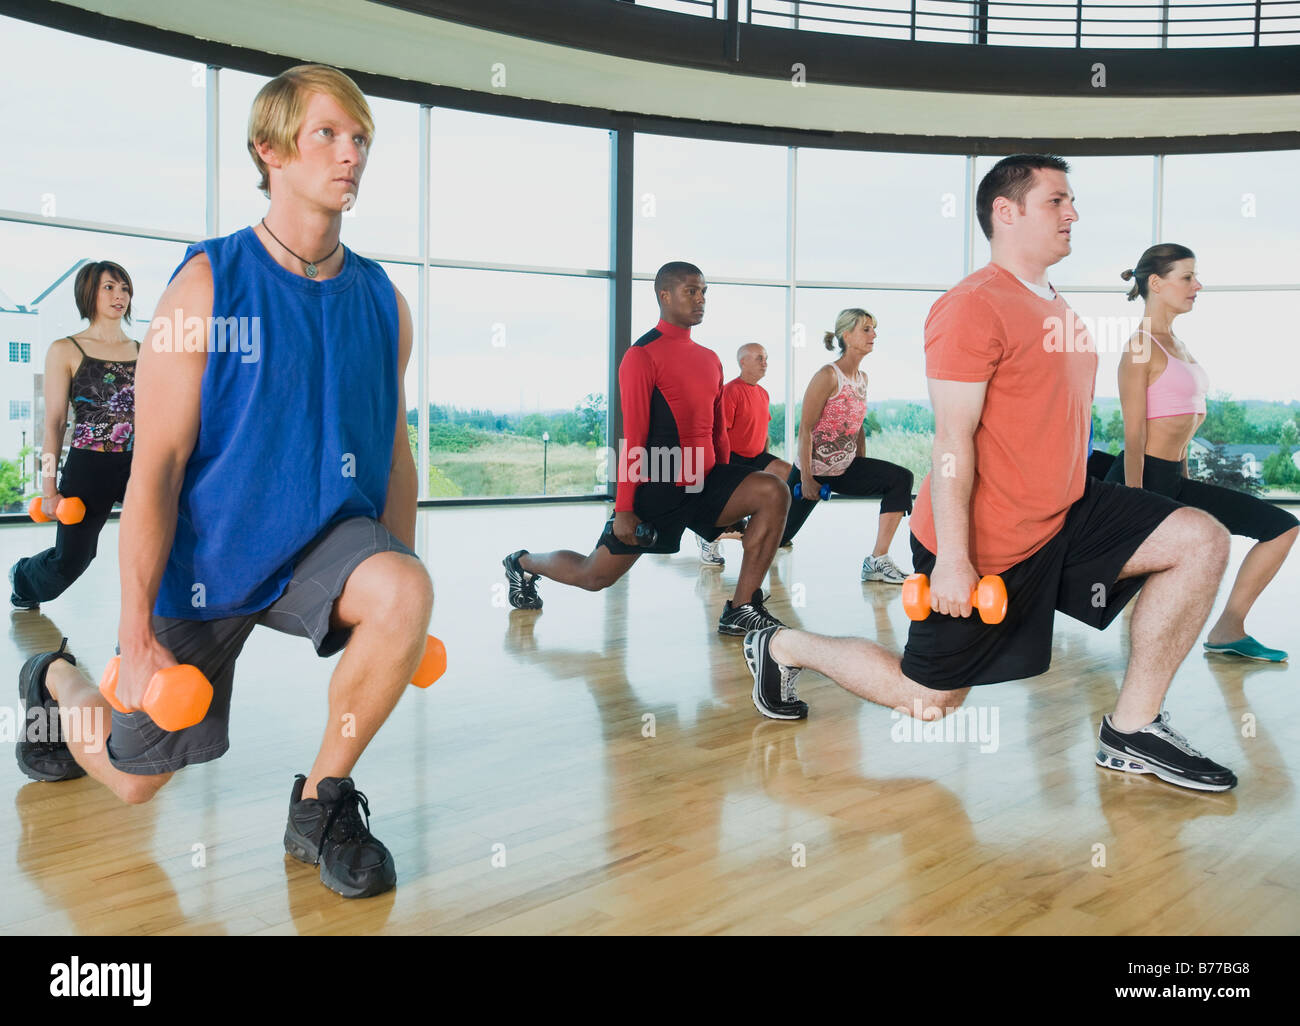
832, 445
93, 372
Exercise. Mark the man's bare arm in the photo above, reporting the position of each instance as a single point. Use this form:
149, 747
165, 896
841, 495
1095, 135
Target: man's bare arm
957, 408
403, 481
168, 382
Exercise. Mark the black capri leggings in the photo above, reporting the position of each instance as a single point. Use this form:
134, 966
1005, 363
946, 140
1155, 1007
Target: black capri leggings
98, 479
1241, 514
862, 477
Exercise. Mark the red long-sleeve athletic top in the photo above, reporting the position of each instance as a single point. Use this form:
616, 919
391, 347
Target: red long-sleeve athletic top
672, 402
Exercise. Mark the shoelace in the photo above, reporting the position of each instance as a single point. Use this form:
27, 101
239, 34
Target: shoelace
1162, 727
344, 811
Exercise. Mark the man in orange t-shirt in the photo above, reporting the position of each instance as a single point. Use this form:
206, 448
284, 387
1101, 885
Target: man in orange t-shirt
1011, 372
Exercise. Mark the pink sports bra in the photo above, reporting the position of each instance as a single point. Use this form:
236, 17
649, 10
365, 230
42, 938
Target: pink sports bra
1179, 390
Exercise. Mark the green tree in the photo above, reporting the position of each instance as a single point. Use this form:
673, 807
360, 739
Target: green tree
1099, 436
593, 414
1220, 469
11, 486
1226, 423
1280, 471
915, 420
776, 428
1115, 429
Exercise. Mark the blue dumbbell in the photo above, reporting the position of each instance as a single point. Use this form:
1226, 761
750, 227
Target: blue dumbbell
824, 492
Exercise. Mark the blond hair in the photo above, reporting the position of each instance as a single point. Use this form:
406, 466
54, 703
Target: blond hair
846, 321
281, 105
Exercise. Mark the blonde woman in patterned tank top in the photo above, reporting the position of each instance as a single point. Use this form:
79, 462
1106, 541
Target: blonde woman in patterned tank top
93, 372
832, 445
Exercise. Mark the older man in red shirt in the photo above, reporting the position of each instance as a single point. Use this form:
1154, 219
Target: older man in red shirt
747, 412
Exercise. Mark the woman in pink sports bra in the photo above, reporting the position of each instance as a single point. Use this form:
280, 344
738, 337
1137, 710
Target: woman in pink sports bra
831, 449
1162, 393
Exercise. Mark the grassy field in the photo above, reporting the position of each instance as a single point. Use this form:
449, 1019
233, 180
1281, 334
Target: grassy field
511, 465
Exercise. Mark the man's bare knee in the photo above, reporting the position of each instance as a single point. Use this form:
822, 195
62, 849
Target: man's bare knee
136, 790
935, 705
1208, 540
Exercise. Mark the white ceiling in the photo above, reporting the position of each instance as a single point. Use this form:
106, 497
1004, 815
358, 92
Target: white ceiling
368, 37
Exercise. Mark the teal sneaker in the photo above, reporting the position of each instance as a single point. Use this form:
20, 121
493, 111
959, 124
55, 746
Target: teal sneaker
1250, 648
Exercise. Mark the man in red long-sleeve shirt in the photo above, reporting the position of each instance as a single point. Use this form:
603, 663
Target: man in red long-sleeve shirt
673, 472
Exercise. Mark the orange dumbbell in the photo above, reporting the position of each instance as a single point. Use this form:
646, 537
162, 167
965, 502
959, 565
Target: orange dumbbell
177, 697
989, 598
433, 665
68, 511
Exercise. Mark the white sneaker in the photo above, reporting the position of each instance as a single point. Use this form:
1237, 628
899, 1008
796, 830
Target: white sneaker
709, 552
882, 568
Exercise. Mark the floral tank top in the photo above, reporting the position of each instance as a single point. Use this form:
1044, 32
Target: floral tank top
835, 437
103, 403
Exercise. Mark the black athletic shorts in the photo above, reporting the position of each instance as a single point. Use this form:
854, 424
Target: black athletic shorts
671, 509
138, 745
756, 462
1076, 572
1246, 516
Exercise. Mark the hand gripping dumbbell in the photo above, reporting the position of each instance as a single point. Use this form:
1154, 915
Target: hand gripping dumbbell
989, 598
177, 696
68, 511
824, 492
433, 665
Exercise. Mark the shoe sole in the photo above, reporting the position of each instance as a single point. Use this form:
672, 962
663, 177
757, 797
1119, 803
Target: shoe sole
24, 677
1121, 762
770, 713
1240, 655
882, 579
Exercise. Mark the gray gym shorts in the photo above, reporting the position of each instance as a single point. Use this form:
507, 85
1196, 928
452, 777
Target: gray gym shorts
138, 745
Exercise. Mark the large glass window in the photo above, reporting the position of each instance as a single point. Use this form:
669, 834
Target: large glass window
880, 217
507, 191
1237, 212
718, 205
515, 358
67, 101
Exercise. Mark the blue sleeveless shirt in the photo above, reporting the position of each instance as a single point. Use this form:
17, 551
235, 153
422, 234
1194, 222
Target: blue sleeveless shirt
298, 411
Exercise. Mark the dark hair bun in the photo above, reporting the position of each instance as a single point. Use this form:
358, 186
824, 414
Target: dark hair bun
1126, 275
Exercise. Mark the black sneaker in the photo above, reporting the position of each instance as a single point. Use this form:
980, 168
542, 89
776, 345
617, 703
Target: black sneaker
14, 600
774, 690
523, 585
1158, 748
45, 759
328, 831
752, 616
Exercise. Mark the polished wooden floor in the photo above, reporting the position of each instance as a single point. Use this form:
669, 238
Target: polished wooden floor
532, 748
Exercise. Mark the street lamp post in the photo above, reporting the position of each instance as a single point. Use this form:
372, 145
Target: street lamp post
546, 442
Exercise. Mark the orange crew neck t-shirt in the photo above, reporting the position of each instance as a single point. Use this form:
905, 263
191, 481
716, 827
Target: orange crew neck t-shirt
1031, 442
